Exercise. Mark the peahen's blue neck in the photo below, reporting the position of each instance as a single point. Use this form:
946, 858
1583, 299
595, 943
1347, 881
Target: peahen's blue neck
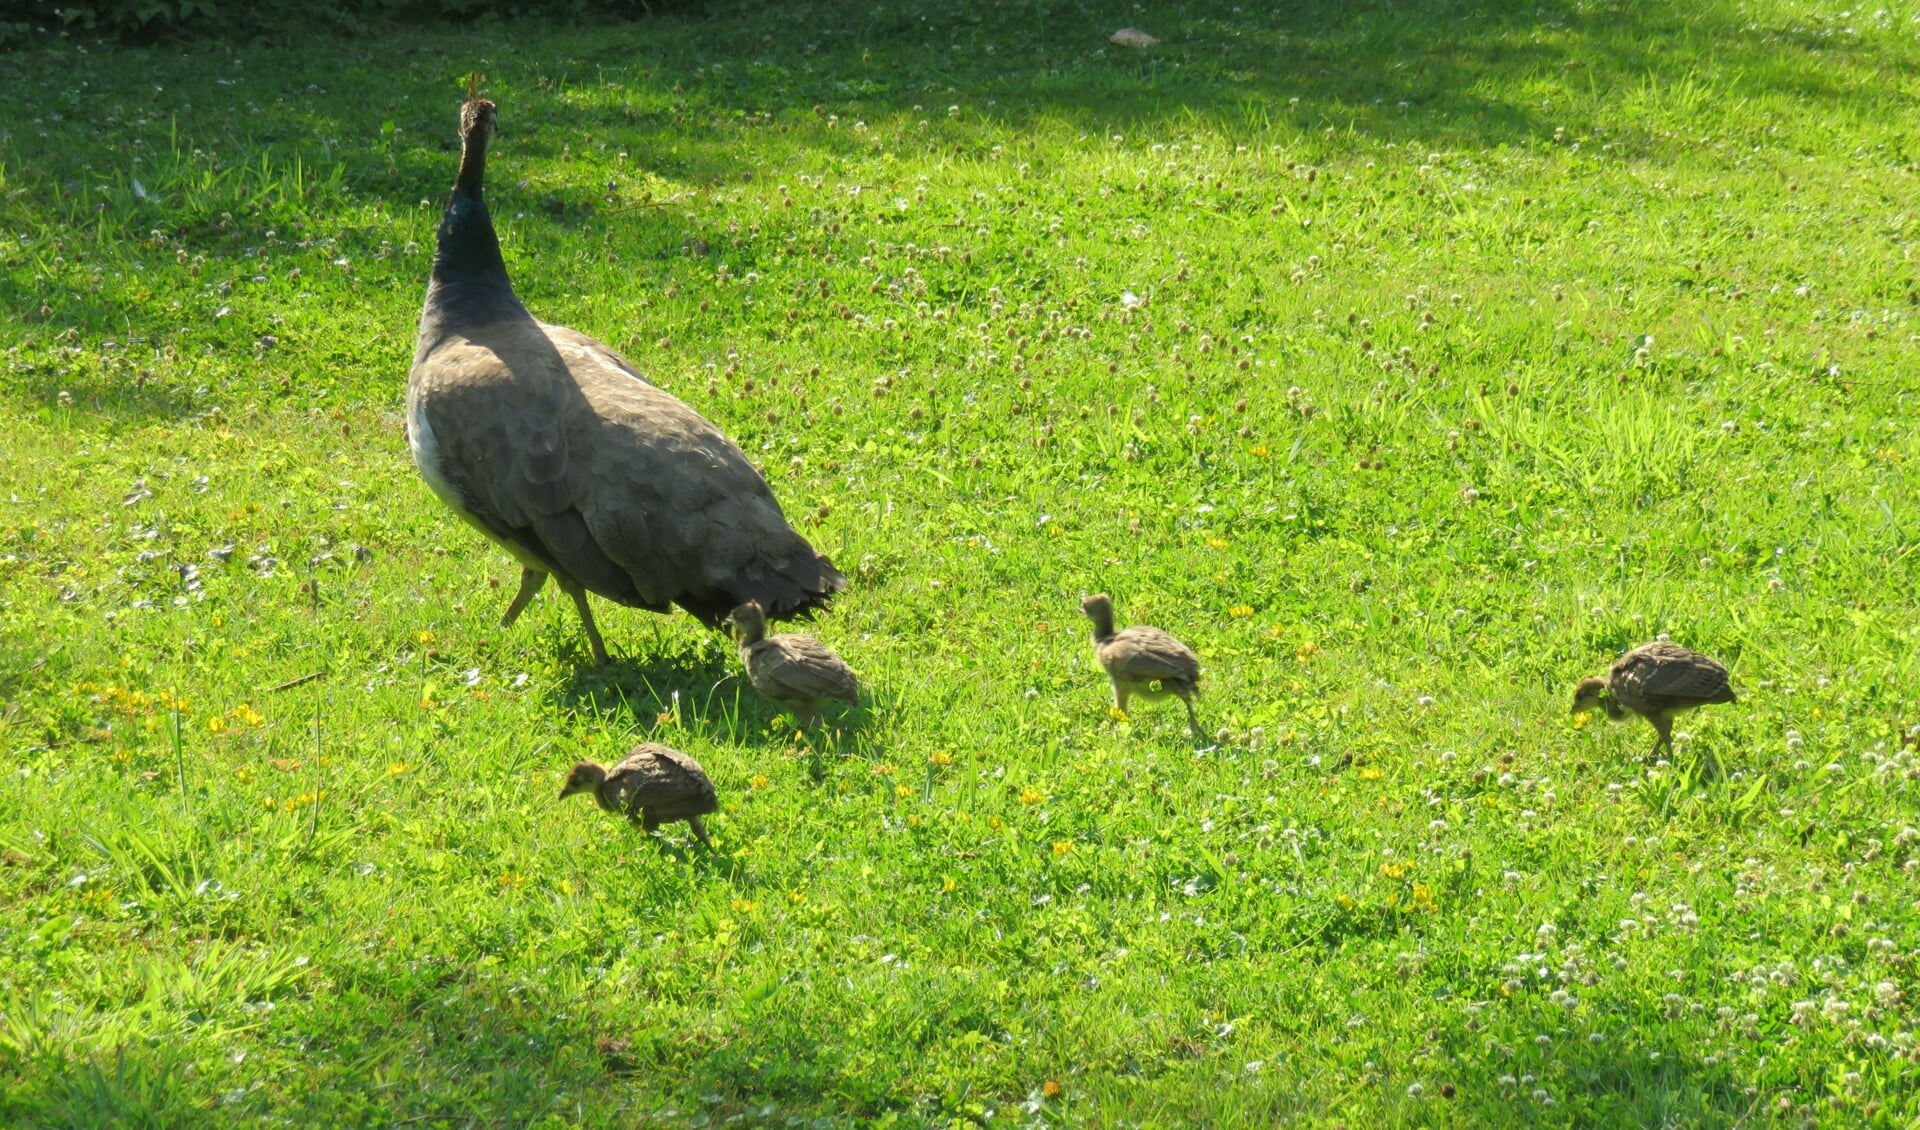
470, 281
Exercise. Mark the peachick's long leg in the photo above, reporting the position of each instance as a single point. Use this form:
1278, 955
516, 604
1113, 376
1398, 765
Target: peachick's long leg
1664, 727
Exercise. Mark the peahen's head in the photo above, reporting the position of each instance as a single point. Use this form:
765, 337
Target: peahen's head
476, 121
477, 127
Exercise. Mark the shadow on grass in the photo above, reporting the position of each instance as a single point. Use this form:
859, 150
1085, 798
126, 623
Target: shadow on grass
694, 683
143, 1088
295, 137
654, 677
1620, 1082
460, 1047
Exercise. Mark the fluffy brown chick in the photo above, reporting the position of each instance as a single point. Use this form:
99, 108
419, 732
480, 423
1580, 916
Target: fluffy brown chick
652, 785
1143, 661
1655, 681
795, 671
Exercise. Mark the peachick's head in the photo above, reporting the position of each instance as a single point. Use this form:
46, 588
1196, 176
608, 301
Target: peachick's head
585, 777
1587, 695
1099, 609
749, 622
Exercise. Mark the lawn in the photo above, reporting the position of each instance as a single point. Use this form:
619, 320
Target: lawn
1408, 361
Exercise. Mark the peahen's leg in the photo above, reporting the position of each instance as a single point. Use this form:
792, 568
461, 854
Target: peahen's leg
579, 596
530, 583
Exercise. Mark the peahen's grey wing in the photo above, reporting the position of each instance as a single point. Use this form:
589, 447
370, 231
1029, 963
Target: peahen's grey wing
489, 413
675, 503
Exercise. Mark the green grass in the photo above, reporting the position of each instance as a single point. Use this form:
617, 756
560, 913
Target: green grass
1469, 345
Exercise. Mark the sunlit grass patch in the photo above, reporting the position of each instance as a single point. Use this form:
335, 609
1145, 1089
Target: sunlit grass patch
1408, 364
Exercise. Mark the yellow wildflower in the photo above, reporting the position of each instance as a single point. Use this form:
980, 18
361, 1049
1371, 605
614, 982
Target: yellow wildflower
1216, 543
396, 768
1371, 773
1240, 611
940, 758
903, 791
1031, 795
1062, 847
759, 781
